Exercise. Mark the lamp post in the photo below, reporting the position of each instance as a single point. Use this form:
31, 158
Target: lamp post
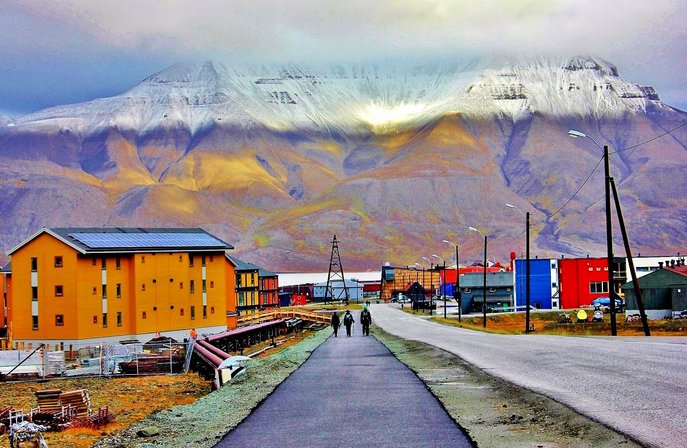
609, 230
431, 283
456, 292
484, 279
527, 267
443, 284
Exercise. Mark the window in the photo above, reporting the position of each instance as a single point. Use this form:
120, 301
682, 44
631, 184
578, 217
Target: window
59, 291
58, 261
202, 260
238, 280
193, 312
212, 310
94, 262
241, 299
34, 322
103, 263
143, 286
212, 284
143, 315
211, 258
59, 320
119, 318
192, 286
598, 287
143, 258
34, 293
119, 290
104, 320
34, 264
181, 285
95, 290
190, 260
252, 278
95, 319
181, 258
118, 263
104, 292
205, 311
181, 311
205, 285
591, 269
467, 290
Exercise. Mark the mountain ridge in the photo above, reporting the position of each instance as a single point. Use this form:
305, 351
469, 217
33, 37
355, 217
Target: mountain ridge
208, 145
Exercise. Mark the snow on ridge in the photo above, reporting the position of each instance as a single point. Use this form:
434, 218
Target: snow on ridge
356, 97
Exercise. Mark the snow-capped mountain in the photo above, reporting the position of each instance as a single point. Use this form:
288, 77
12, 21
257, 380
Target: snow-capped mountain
356, 99
392, 159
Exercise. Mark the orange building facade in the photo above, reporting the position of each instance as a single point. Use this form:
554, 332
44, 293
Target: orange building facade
82, 286
5, 292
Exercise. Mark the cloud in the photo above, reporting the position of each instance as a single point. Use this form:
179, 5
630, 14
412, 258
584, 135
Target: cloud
284, 29
627, 33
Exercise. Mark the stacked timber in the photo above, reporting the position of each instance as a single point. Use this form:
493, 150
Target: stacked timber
49, 401
79, 400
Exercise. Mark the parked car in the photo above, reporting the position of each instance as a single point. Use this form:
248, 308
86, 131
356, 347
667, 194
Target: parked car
606, 303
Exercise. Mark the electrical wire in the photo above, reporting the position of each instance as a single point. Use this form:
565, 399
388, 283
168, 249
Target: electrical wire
651, 139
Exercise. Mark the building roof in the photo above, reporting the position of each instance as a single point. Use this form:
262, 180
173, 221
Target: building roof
89, 240
682, 269
337, 283
242, 265
672, 277
6, 268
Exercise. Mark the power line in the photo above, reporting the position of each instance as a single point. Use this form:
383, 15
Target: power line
651, 139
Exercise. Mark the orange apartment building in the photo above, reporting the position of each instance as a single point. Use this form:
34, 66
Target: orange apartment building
87, 285
5, 283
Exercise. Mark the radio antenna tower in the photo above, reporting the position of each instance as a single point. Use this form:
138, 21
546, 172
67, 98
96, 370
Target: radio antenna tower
335, 270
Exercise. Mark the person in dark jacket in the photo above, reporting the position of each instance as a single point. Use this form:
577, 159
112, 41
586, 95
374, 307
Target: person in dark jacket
365, 321
348, 322
336, 323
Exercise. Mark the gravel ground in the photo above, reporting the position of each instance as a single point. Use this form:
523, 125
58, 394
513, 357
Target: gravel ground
495, 413
203, 423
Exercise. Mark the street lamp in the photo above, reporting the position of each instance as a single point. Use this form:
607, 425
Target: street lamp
431, 283
527, 273
484, 278
443, 284
609, 231
456, 292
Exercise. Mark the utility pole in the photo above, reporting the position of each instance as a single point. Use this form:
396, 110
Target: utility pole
626, 242
609, 240
335, 270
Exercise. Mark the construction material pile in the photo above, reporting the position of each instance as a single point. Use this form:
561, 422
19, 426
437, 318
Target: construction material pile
79, 401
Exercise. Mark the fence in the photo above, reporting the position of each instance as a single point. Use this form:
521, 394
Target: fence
105, 359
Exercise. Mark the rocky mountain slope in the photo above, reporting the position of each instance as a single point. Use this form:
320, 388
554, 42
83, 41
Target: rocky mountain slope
392, 160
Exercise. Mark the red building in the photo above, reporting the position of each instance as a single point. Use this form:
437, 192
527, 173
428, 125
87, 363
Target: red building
269, 288
582, 280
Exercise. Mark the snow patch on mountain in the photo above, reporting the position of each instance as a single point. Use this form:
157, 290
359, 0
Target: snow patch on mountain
354, 98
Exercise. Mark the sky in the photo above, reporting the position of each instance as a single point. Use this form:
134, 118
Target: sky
68, 51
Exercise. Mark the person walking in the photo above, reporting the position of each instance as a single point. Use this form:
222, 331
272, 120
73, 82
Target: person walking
365, 321
336, 323
348, 322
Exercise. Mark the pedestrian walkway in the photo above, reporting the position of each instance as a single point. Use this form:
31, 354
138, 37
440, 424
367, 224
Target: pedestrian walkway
351, 392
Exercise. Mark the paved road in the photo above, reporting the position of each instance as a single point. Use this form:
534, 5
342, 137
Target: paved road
637, 385
351, 392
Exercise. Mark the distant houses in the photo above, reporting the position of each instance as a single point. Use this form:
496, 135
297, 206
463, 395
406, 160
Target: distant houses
555, 284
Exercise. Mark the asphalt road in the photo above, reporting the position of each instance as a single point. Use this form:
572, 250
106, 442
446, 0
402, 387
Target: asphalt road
351, 392
636, 385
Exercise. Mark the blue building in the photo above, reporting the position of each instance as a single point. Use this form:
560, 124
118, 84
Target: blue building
544, 283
